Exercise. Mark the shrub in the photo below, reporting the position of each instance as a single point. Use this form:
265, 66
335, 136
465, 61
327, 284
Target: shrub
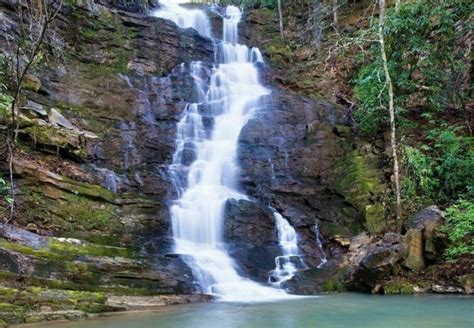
460, 228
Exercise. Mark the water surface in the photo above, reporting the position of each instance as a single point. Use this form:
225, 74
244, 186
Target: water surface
342, 310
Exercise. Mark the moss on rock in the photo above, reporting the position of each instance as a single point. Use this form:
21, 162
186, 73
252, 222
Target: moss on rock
359, 181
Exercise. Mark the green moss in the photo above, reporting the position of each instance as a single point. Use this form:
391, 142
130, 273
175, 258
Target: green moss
6, 292
375, 219
333, 286
359, 181
83, 214
72, 250
89, 190
399, 287
47, 135
58, 250
6, 307
41, 253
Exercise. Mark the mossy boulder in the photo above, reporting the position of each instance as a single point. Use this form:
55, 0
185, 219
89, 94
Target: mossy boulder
467, 281
399, 287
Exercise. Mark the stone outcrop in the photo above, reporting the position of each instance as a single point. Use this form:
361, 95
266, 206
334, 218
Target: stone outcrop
97, 129
249, 231
288, 152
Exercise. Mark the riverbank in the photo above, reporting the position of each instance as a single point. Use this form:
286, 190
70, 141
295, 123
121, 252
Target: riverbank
340, 310
61, 305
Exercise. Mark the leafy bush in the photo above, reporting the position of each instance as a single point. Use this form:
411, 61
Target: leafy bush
427, 59
440, 170
460, 228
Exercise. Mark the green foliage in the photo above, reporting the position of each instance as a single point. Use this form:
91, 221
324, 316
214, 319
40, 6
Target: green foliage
371, 91
440, 170
272, 4
427, 60
5, 99
5, 199
460, 228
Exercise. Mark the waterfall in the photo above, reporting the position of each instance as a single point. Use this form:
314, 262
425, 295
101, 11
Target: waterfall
184, 18
290, 262
231, 92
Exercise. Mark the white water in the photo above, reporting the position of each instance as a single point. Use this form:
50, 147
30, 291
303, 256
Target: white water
232, 95
184, 18
290, 262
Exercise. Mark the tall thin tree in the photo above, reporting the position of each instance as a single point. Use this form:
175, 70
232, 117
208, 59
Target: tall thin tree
391, 109
280, 18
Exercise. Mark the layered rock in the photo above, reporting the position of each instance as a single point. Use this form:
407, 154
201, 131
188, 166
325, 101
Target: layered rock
97, 129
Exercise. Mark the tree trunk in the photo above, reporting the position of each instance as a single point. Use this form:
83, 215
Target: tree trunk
393, 136
280, 16
334, 13
317, 23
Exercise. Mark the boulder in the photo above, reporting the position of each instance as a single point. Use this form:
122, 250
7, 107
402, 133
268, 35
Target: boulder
467, 282
403, 286
429, 222
315, 280
414, 241
369, 261
249, 223
250, 233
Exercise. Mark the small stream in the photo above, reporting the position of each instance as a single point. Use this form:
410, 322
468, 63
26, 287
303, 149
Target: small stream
341, 310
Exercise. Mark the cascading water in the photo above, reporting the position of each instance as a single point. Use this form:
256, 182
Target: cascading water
184, 18
290, 262
231, 96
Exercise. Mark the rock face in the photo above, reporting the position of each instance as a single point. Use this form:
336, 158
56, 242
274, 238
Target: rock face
288, 152
97, 131
249, 231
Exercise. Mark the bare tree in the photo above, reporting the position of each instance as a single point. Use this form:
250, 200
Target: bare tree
280, 17
317, 16
35, 18
334, 13
40, 16
391, 109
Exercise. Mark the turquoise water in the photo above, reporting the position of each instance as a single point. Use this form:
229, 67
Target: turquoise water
342, 310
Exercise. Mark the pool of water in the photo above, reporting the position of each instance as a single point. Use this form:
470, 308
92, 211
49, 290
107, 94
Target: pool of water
341, 310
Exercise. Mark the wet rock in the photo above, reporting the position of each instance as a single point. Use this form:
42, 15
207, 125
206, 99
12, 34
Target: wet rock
377, 264
249, 231
315, 280
287, 153
250, 223
467, 281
